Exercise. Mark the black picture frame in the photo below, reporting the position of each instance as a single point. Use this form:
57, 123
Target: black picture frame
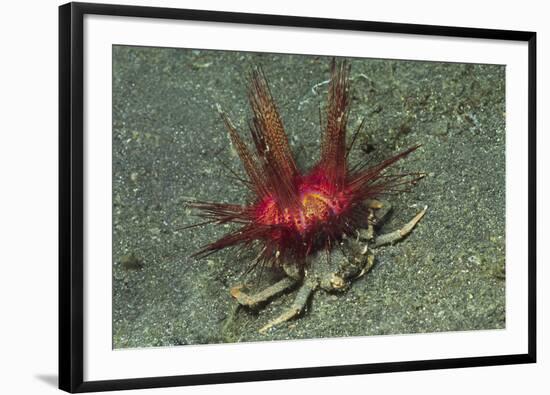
71, 195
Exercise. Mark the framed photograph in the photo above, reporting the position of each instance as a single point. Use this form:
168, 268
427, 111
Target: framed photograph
257, 197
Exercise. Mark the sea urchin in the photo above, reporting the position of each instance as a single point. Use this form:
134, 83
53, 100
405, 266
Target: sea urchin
295, 213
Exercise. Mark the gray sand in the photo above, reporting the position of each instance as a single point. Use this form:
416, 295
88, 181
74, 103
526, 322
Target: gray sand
448, 275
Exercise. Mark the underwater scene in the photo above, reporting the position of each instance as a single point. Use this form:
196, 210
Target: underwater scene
262, 196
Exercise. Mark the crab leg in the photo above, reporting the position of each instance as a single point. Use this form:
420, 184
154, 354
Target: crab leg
297, 306
400, 233
377, 212
253, 301
368, 265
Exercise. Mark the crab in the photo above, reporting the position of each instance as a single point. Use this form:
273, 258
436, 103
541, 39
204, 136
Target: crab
332, 271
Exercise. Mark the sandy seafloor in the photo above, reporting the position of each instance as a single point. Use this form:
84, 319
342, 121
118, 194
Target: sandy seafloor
448, 275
